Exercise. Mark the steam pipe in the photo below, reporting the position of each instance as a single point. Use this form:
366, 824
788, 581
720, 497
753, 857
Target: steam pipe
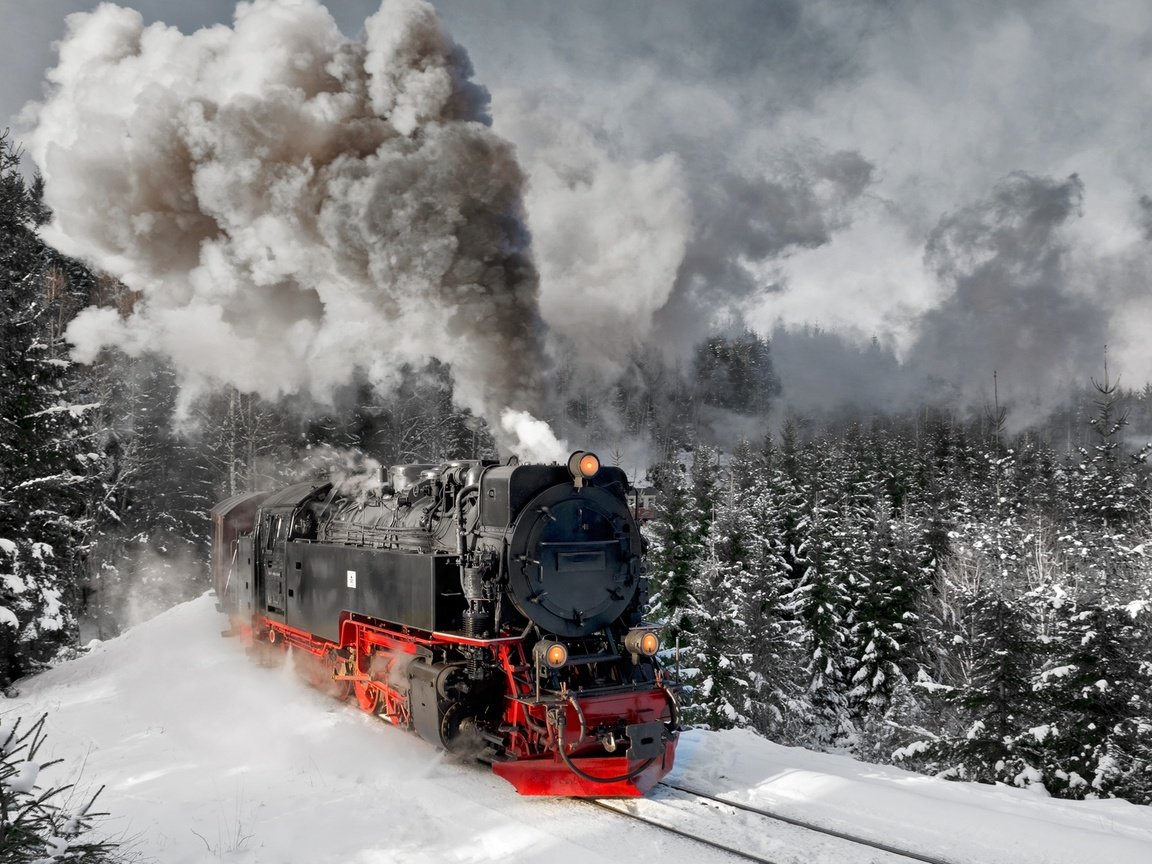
467, 490
473, 623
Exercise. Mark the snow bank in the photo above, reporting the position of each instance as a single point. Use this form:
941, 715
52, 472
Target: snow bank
963, 822
209, 757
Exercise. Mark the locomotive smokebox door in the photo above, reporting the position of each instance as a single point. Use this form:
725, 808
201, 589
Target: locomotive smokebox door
573, 563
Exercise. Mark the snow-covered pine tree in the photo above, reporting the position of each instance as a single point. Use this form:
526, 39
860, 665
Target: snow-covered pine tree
999, 704
1105, 500
735, 608
36, 825
674, 549
705, 476
820, 605
777, 684
1096, 693
787, 501
42, 518
717, 652
886, 632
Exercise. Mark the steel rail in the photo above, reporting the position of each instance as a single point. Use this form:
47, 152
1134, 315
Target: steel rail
811, 826
620, 808
606, 804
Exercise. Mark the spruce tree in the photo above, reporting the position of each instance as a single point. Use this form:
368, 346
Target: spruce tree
1096, 689
674, 549
819, 605
36, 827
720, 686
885, 628
43, 468
998, 698
776, 661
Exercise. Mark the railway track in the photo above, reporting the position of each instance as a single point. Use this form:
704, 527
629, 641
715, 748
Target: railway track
754, 834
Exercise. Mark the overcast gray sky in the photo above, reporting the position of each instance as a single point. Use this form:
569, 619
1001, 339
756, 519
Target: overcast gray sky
966, 181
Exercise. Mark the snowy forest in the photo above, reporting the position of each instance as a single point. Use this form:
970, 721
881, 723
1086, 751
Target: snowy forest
921, 590
933, 587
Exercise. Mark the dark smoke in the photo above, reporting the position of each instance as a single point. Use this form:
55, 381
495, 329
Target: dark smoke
1013, 306
747, 221
296, 208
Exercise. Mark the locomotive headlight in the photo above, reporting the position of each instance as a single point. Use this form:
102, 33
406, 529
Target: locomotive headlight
589, 465
553, 654
644, 642
583, 465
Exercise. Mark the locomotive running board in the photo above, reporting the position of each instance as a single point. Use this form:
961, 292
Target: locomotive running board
547, 776
474, 640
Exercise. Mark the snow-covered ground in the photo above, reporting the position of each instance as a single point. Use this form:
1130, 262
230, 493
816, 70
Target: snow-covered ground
207, 757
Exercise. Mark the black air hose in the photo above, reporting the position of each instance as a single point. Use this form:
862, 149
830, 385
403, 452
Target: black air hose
562, 722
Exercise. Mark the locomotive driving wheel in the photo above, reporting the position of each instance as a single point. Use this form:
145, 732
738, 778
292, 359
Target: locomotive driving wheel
461, 733
367, 696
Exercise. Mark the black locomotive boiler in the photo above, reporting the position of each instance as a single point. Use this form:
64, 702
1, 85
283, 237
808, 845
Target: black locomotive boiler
492, 609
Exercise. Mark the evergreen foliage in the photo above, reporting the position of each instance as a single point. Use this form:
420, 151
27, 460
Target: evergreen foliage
42, 824
674, 549
819, 606
735, 373
44, 467
930, 590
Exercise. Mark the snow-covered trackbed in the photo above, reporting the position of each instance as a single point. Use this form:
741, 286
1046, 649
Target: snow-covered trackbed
208, 757
754, 834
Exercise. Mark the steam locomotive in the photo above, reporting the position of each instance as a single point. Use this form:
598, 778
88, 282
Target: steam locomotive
494, 610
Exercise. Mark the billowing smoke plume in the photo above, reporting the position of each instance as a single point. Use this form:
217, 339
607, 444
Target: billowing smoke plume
858, 166
656, 251
877, 169
751, 216
609, 231
1013, 307
353, 472
538, 443
296, 208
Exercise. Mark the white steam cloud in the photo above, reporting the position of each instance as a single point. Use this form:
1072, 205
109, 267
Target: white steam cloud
537, 441
353, 472
609, 231
296, 208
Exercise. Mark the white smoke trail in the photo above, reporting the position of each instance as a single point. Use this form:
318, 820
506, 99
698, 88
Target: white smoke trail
353, 472
294, 207
609, 232
537, 441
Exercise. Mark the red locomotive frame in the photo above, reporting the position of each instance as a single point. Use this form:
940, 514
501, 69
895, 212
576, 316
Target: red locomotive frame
539, 764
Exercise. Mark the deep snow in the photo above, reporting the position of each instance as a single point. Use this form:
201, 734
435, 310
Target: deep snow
208, 757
